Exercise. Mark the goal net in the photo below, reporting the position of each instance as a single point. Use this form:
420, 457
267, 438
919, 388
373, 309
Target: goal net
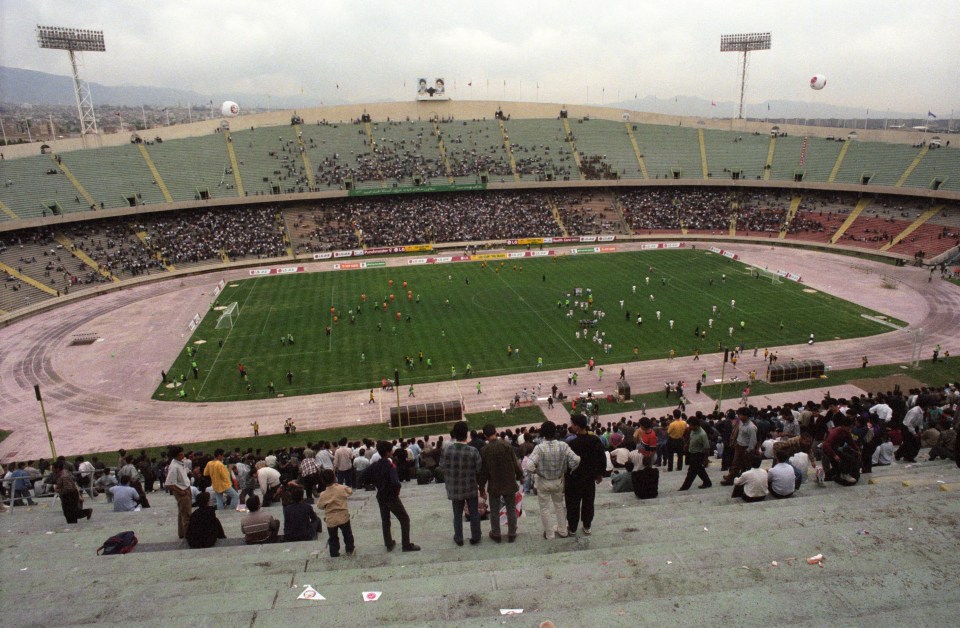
228, 317
761, 273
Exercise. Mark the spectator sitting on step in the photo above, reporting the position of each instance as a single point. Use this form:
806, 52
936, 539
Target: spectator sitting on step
751, 485
884, 454
946, 446
646, 481
204, 528
125, 497
258, 526
783, 478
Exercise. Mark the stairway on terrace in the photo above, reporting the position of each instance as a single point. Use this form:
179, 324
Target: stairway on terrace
269, 158
729, 152
679, 558
114, 174
409, 149
334, 151
885, 163
938, 163
666, 149
540, 146
609, 142
476, 147
195, 164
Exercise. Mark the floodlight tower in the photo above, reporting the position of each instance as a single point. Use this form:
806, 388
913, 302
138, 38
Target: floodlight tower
744, 42
75, 40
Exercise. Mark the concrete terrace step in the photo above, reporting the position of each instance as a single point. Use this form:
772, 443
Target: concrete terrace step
582, 579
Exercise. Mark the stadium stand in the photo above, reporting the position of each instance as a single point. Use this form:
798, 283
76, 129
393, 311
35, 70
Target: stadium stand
115, 176
541, 150
740, 156
474, 148
606, 144
195, 167
669, 152
882, 163
939, 163
33, 188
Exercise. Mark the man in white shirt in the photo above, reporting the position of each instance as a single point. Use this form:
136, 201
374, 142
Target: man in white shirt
884, 454
325, 456
802, 463
912, 426
782, 477
883, 411
752, 485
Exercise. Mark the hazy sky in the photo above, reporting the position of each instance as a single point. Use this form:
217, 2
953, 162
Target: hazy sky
876, 54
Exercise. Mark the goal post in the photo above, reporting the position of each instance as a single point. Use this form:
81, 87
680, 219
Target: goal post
761, 273
228, 317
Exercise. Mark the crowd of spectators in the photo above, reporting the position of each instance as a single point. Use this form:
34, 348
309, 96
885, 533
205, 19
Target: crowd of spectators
114, 247
461, 217
835, 440
596, 167
195, 236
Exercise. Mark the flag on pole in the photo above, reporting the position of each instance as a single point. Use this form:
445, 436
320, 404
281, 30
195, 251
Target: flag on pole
930, 114
713, 103
470, 84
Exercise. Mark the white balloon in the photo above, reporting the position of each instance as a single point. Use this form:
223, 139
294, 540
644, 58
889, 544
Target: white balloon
229, 109
818, 82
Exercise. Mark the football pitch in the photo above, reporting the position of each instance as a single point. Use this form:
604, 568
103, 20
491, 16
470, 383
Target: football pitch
470, 314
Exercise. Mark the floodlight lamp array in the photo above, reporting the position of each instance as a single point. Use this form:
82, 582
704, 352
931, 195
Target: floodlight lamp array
744, 42
76, 39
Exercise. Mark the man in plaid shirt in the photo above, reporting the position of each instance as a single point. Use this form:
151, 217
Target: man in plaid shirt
461, 466
548, 464
309, 475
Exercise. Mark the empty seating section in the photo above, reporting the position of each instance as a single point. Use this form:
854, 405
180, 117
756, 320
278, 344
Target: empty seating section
269, 161
871, 231
938, 163
540, 148
884, 162
338, 152
938, 234
605, 146
667, 149
819, 157
193, 165
729, 153
930, 239
32, 183
588, 212
474, 148
115, 176
406, 150
786, 158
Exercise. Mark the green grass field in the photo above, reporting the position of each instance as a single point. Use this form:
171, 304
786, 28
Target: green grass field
468, 313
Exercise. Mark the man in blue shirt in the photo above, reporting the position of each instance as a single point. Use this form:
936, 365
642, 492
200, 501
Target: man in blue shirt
125, 497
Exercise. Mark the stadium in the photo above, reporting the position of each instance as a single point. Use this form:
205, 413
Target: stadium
118, 258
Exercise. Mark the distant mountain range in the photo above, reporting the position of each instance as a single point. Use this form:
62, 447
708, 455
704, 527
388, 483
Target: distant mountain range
20, 87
